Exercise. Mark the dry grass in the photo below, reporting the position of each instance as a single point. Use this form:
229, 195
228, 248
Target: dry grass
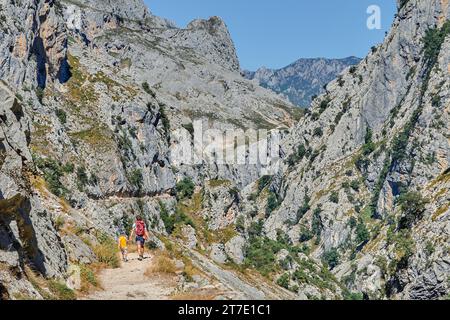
162, 263
107, 253
440, 211
89, 277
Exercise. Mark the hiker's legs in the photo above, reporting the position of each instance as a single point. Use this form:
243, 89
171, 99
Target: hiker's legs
140, 243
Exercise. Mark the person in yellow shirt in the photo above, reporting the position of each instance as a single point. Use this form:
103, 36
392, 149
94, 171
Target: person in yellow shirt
123, 247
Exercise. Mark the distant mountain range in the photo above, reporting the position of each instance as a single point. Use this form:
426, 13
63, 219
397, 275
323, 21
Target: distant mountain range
303, 79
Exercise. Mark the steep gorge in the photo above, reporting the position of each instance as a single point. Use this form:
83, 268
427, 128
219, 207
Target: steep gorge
96, 95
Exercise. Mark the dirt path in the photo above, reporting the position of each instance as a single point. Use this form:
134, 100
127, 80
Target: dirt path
129, 283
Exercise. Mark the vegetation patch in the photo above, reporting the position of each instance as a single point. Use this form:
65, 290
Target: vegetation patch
185, 189
162, 264
53, 172
96, 136
106, 251
413, 206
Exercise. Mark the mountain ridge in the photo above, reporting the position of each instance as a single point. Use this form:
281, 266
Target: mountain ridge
303, 79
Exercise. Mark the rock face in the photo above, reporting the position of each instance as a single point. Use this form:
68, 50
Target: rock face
96, 95
367, 177
302, 80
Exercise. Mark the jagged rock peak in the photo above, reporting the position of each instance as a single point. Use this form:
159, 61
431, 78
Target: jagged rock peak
213, 25
221, 46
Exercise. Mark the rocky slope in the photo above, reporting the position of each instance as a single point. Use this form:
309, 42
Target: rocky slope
97, 96
366, 185
302, 80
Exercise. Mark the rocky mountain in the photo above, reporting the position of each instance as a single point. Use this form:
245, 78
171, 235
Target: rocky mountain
302, 80
99, 97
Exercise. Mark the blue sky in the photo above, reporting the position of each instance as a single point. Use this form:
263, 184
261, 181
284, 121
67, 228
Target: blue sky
276, 33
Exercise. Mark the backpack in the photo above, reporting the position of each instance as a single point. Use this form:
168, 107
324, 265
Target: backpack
140, 228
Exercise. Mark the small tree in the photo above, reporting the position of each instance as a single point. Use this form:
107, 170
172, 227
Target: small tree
318, 132
413, 207
283, 281
185, 188
331, 258
362, 234
334, 197
62, 116
272, 203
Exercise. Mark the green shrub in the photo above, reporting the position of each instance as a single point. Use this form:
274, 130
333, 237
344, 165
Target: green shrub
185, 188
62, 116
362, 234
272, 203
88, 278
318, 132
82, 178
353, 295
263, 183
331, 258
60, 291
164, 119
136, 179
404, 249
334, 197
303, 209
433, 41
413, 206
324, 104
316, 225
283, 281
305, 235
106, 251
260, 254
369, 145
283, 238
352, 222
300, 276
53, 172
256, 228
148, 90
355, 185
429, 248
171, 221
297, 156
240, 224
40, 94
68, 168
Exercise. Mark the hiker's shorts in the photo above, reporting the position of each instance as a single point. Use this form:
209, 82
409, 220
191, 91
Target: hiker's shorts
141, 240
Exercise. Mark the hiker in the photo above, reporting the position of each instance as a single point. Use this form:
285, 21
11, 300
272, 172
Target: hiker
140, 230
123, 246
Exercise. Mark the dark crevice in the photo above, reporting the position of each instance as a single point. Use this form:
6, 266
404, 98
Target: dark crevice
17, 110
64, 73
41, 70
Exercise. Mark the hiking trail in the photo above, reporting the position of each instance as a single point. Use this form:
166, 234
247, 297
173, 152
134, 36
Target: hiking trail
129, 282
